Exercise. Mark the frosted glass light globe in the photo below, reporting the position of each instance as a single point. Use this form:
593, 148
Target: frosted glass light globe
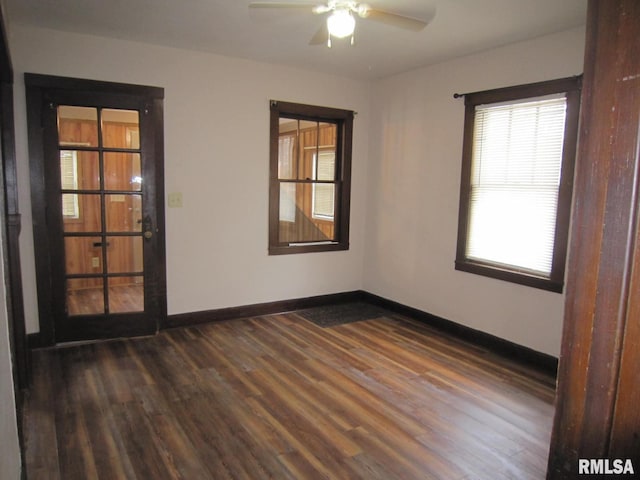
341, 23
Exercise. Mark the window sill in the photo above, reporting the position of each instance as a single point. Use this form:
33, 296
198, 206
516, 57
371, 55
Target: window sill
521, 278
307, 248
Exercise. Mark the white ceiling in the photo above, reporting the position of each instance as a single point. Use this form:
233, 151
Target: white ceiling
229, 27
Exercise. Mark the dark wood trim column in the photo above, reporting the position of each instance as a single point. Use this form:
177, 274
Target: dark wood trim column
13, 270
598, 388
10, 217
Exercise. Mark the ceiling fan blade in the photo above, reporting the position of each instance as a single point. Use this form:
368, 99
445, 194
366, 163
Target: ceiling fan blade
321, 36
308, 6
396, 20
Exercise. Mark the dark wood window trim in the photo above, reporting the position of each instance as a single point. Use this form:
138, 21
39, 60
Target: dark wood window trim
343, 119
555, 282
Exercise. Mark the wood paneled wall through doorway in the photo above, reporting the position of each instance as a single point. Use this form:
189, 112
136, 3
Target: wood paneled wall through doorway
123, 212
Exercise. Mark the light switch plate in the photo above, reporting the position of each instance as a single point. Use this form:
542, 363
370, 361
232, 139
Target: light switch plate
175, 200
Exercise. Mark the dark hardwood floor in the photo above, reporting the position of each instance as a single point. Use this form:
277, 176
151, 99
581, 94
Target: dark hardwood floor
278, 397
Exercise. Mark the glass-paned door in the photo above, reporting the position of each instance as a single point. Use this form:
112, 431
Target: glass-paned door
97, 197
101, 199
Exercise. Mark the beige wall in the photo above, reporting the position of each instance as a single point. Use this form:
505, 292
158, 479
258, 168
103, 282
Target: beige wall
216, 154
9, 447
415, 153
407, 150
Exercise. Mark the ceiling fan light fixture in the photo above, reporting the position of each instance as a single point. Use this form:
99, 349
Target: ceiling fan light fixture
341, 23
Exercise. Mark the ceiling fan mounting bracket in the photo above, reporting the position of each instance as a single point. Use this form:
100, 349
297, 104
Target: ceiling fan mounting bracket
361, 9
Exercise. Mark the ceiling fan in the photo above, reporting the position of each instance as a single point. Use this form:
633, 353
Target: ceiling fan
341, 22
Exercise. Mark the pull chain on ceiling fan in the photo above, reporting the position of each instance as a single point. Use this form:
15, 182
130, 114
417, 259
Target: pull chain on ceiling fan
341, 22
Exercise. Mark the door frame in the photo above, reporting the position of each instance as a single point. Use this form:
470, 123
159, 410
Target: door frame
39, 91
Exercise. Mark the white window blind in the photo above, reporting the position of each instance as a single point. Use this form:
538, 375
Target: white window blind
69, 181
515, 179
324, 193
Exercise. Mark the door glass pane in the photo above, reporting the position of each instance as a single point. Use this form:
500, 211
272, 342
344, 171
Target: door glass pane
85, 296
83, 255
122, 171
81, 212
77, 126
124, 212
88, 170
120, 128
124, 254
126, 294
70, 208
298, 223
79, 170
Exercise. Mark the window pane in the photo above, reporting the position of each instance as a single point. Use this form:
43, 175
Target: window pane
126, 294
83, 255
122, 171
124, 212
69, 170
287, 202
120, 129
124, 254
70, 207
79, 170
327, 135
287, 157
323, 201
519, 143
77, 126
325, 165
515, 179
86, 209
514, 227
297, 221
85, 296
299, 143
88, 170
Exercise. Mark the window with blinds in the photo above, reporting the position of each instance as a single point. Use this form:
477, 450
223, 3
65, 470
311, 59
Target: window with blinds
517, 167
323, 198
515, 178
69, 181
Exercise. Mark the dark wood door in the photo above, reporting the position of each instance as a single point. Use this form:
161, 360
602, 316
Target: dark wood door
101, 165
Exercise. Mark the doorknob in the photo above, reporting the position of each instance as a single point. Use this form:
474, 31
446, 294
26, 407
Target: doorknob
147, 227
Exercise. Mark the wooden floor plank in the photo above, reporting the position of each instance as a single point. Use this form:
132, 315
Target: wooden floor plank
279, 397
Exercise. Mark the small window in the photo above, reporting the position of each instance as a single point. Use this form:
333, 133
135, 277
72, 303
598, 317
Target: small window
517, 172
310, 185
